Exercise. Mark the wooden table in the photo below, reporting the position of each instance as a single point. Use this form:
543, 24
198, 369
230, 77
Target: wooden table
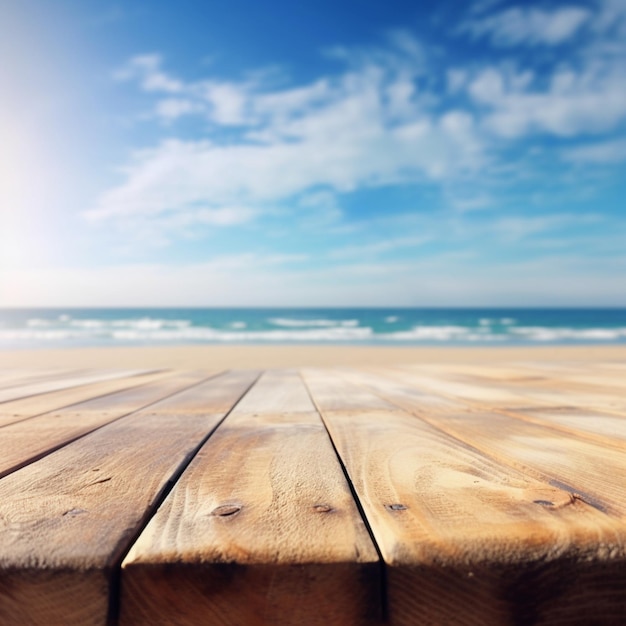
444, 494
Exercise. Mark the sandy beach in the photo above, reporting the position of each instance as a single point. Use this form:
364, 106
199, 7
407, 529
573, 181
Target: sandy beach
205, 357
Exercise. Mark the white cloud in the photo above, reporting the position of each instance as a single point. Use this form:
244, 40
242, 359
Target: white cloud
377, 248
488, 87
365, 127
589, 100
582, 92
393, 116
612, 15
321, 209
602, 153
146, 69
472, 202
529, 26
227, 101
173, 108
510, 229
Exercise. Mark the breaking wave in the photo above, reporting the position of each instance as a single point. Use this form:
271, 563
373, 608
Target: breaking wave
410, 327
322, 323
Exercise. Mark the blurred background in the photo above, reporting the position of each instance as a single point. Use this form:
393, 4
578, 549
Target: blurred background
312, 154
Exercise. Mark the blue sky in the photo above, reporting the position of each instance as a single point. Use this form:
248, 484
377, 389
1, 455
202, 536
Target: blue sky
312, 153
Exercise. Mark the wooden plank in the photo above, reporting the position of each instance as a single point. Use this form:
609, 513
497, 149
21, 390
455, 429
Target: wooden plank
604, 428
26, 441
562, 382
260, 529
467, 538
525, 394
486, 395
13, 378
596, 472
398, 390
23, 408
66, 520
566, 458
554, 376
332, 393
62, 382
614, 366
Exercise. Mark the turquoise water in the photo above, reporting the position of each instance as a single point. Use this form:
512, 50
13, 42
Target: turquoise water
29, 328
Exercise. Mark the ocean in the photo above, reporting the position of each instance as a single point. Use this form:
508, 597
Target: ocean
54, 328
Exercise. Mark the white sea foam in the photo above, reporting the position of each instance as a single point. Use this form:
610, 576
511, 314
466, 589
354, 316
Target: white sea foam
542, 333
67, 328
149, 323
391, 319
431, 333
321, 323
503, 321
158, 330
203, 333
37, 323
89, 324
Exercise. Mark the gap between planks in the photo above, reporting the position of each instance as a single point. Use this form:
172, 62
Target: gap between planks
262, 528
514, 485
26, 441
455, 522
72, 528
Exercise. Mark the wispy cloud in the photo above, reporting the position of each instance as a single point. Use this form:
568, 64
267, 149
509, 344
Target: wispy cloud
368, 126
590, 100
605, 152
401, 114
529, 26
377, 248
146, 69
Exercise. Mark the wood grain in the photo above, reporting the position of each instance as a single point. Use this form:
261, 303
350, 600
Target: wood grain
14, 378
468, 538
520, 391
605, 429
66, 520
26, 441
62, 382
260, 529
23, 408
495, 492
565, 458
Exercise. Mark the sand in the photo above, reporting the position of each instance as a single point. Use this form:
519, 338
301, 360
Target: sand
207, 357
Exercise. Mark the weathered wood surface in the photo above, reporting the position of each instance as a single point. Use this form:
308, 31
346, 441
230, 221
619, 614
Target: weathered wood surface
261, 528
66, 520
30, 406
61, 382
14, 378
25, 441
443, 494
513, 522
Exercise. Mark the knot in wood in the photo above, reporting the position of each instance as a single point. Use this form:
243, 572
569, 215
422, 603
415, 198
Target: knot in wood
226, 510
323, 508
543, 502
396, 507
